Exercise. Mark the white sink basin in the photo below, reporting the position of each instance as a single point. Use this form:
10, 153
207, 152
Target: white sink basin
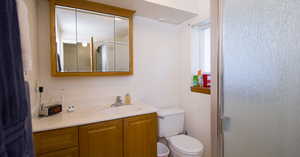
123, 109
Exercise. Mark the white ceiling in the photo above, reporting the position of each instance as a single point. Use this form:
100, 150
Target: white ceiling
186, 5
149, 9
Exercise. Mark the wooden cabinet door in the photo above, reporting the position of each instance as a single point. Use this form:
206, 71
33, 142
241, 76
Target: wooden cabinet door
71, 152
54, 140
140, 136
103, 139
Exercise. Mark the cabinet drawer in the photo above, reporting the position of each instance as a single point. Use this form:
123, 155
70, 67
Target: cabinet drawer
71, 152
50, 141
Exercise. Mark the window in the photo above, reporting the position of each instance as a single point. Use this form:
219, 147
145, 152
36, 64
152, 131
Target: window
201, 52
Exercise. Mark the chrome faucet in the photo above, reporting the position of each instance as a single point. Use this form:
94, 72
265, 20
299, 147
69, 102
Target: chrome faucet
118, 102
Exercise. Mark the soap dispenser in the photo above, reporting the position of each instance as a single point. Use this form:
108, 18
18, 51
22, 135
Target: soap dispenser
127, 99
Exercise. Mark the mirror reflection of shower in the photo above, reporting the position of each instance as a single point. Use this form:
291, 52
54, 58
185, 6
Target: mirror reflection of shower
91, 42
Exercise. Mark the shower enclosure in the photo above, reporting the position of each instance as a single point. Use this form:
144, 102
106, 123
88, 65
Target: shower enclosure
257, 93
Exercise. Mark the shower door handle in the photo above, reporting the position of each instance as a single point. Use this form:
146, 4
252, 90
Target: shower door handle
225, 123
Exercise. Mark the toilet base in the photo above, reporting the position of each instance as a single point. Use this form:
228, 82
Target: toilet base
175, 153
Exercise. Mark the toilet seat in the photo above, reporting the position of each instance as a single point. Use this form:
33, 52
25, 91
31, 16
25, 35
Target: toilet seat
186, 144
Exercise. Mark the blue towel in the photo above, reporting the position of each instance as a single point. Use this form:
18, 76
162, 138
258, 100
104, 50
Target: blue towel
15, 132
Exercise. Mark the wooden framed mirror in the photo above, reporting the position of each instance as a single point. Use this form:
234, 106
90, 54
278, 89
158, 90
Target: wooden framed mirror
90, 39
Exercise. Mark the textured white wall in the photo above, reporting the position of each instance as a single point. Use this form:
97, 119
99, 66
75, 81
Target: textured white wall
27, 12
203, 8
155, 80
162, 72
197, 106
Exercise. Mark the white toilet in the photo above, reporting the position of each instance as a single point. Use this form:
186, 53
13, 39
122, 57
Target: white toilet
171, 122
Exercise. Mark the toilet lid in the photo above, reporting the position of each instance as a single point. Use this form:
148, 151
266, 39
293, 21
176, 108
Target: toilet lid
186, 144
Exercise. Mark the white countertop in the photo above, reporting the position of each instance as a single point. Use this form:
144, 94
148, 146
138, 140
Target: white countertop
88, 115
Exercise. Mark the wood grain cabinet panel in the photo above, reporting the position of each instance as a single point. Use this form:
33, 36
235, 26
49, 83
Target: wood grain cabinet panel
140, 136
103, 139
129, 137
50, 141
71, 152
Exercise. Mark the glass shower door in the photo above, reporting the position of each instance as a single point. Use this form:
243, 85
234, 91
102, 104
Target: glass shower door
261, 85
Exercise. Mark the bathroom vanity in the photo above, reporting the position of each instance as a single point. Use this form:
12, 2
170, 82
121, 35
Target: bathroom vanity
93, 39
112, 132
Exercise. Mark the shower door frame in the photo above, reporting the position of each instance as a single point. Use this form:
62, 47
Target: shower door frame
217, 137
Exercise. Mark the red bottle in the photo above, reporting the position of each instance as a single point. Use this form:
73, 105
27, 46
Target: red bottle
206, 80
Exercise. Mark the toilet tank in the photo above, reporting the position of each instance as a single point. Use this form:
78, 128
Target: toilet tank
171, 122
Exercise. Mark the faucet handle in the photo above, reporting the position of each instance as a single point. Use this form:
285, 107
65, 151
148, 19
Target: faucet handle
118, 102
119, 99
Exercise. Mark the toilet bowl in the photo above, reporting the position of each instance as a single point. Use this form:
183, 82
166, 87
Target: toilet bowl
185, 146
171, 122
